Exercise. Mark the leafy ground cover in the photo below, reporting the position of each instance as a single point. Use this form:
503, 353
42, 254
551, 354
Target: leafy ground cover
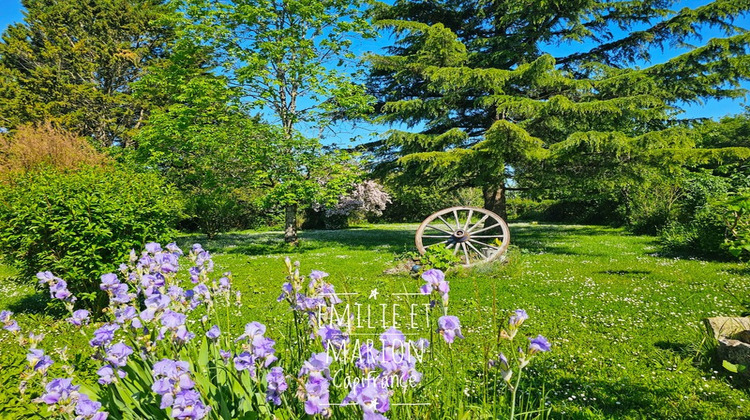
624, 321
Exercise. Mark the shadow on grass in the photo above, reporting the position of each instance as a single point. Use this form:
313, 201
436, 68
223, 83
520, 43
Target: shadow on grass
272, 243
36, 304
625, 272
530, 238
545, 238
744, 271
619, 398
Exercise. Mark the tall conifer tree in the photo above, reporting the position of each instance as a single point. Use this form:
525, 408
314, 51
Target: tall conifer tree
480, 82
72, 62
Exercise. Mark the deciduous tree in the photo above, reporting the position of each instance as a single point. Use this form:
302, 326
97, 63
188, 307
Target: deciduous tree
290, 60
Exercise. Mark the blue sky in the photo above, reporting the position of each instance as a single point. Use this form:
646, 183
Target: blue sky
11, 11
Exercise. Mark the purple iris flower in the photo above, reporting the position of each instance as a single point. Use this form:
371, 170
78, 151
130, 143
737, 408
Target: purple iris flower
317, 274
109, 281
449, 327
46, 277
125, 314
174, 249
252, 330
162, 386
317, 396
5, 316
504, 361
224, 284
79, 317
8, 323
332, 336
171, 319
154, 304
175, 292
286, 291
372, 396
399, 364
327, 290
392, 337
104, 335
213, 333
538, 344
276, 385
108, 374
433, 276
59, 391
201, 291
153, 247
60, 290
245, 361
317, 365
435, 282
421, 344
182, 334
195, 273
518, 317
168, 263
188, 406
120, 294
226, 355
368, 357
118, 354
87, 409
38, 360
157, 302
171, 378
263, 349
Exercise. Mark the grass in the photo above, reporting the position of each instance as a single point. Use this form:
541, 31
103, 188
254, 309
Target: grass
624, 321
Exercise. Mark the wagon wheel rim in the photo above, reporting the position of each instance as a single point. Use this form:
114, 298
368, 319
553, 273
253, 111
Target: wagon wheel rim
474, 234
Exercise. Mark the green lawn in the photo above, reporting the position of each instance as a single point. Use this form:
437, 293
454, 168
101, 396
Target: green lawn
625, 322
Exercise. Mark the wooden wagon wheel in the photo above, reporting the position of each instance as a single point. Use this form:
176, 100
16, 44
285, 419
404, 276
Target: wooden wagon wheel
474, 234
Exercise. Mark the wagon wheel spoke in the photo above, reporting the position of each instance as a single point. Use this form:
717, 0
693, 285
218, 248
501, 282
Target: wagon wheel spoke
488, 228
478, 223
480, 253
442, 230
483, 244
471, 241
446, 223
438, 243
468, 219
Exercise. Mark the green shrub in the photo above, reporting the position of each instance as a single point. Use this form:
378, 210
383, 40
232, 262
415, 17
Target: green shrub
214, 211
719, 229
702, 236
736, 216
82, 224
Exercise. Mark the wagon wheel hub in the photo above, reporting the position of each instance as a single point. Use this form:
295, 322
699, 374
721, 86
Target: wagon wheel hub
460, 236
473, 234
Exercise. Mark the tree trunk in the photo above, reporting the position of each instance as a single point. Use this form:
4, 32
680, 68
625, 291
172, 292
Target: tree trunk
494, 199
290, 223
